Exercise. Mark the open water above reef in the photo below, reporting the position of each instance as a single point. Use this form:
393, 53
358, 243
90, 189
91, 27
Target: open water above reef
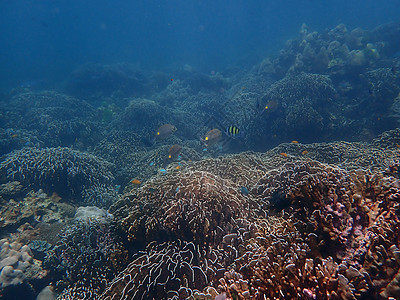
271, 177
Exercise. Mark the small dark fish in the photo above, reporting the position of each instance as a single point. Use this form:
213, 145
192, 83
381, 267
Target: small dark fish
279, 201
271, 105
393, 70
244, 191
174, 151
165, 131
213, 137
233, 131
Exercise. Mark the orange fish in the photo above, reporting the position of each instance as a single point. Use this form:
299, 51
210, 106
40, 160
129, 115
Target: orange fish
174, 151
305, 152
14, 135
164, 131
178, 167
136, 181
284, 154
213, 137
295, 142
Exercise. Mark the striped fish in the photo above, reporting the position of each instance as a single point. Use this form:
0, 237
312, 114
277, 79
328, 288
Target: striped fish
233, 131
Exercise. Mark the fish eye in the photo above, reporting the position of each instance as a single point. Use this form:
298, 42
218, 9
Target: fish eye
206, 138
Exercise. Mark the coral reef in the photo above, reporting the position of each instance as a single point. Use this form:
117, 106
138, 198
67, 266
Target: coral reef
52, 118
35, 207
85, 259
84, 213
166, 271
304, 230
335, 52
14, 139
133, 159
195, 205
81, 177
359, 102
17, 266
143, 117
345, 155
304, 220
330, 246
11, 189
94, 81
303, 106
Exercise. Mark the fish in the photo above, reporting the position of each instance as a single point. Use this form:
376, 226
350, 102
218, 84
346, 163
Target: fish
305, 152
279, 200
165, 131
271, 105
174, 151
213, 137
295, 142
284, 154
244, 191
136, 182
233, 131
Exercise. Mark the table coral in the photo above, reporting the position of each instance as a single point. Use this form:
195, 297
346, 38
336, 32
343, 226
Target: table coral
86, 258
52, 118
68, 172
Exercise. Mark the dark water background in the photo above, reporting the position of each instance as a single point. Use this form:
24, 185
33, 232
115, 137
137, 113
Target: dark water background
43, 41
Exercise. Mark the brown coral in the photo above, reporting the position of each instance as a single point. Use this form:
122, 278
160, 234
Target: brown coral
334, 237
195, 205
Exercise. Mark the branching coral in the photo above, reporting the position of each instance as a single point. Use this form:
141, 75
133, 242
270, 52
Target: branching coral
191, 204
334, 235
85, 259
168, 270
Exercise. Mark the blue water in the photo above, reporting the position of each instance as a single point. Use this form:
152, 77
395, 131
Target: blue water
46, 40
